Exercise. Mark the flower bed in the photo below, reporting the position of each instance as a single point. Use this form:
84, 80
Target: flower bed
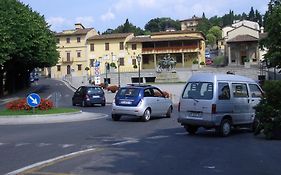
21, 104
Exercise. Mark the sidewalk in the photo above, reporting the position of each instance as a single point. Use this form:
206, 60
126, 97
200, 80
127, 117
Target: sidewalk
52, 118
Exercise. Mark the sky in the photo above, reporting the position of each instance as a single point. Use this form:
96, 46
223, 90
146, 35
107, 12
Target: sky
104, 14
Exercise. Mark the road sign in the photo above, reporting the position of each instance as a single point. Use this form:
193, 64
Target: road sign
33, 100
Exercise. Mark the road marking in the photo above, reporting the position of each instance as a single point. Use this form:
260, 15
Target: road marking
22, 144
67, 145
3, 144
44, 144
50, 161
157, 137
49, 97
131, 140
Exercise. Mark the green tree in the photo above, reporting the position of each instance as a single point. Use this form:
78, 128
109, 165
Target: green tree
273, 27
29, 43
127, 27
204, 26
211, 39
251, 15
161, 24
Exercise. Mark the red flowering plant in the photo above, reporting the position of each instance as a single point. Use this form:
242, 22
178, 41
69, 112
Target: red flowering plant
20, 104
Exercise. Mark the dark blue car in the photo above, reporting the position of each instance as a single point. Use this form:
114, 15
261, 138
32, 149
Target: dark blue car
88, 96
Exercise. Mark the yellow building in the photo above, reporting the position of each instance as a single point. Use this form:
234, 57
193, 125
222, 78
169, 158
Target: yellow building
183, 46
73, 52
190, 24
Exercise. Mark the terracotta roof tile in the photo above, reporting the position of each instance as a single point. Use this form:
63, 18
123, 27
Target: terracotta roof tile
74, 32
110, 36
242, 38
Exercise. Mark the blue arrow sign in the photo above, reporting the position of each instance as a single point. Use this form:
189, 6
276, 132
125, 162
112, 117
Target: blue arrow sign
33, 100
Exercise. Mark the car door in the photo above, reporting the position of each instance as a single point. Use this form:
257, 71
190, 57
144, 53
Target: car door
161, 103
78, 95
256, 95
241, 103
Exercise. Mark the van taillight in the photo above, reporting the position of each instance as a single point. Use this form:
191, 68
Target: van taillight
214, 108
179, 107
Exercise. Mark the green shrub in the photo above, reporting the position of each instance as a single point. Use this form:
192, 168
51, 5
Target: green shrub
195, 62
113, 65
202, 63
135, 66
218, 61
268, 111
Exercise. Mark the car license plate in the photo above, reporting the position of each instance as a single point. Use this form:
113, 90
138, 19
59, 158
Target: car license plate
96, 96
126, 102
196, 115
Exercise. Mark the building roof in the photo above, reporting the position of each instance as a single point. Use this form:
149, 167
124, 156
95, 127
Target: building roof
149, 39
194, 18
243, 38
263, 35
175, 32
74, 32
110, 36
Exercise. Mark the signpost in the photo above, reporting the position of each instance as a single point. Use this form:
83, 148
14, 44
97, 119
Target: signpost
33, 100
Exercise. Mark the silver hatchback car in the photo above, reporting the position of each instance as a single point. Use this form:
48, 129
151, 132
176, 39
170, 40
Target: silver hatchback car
141, 101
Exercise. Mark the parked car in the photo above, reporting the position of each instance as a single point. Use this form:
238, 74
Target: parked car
218, 101
209, 61
88, 96
141, 101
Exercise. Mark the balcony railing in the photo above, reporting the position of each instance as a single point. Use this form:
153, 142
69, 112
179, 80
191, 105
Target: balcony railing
171, 48
67, 60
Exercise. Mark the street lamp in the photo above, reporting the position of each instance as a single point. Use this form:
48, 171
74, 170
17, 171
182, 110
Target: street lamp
118, 67
139, 60
106, 69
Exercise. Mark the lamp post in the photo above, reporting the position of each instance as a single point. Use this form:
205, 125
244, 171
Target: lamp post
118, 67
139, 60
106, 69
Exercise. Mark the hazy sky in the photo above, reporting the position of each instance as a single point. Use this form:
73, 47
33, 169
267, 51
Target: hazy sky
104, 14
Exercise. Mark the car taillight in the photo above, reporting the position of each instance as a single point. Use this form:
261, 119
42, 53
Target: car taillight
214, 108
179, 107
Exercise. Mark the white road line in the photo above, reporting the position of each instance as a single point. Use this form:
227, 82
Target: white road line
49, 97
3, 144
22, 144
44, 144
66, 145
125, 142
49, 161
157, 137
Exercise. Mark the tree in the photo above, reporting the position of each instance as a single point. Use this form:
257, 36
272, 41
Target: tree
273, 27
127, 27
29, 43
161, 24
214, 34
203, 26
251, 15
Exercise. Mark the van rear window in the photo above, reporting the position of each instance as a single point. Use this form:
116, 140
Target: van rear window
199, 90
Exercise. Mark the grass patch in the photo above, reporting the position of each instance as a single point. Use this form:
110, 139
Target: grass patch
7, 112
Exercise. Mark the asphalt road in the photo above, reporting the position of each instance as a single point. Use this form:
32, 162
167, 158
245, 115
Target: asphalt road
129, 146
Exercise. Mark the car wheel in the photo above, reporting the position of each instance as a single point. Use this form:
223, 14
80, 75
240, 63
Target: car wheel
225, 128
191, 129
115, 117
146, 115
103, 104
169, 112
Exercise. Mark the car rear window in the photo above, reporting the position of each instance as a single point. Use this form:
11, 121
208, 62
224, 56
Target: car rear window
94, 90
198, 90
128, 92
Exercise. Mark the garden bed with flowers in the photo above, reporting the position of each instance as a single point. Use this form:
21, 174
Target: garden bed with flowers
20, 107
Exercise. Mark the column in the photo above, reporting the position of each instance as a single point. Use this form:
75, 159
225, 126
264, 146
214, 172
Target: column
182, 57
155, 63
229, 54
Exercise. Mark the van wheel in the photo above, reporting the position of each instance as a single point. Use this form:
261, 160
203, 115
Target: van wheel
225, 128
191, 129
115, 117
146, 115
169, 112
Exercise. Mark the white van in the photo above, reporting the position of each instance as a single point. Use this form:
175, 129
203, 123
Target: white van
218, 101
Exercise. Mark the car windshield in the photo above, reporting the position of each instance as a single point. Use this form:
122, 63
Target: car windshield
94, 90
128, 92
198, 90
